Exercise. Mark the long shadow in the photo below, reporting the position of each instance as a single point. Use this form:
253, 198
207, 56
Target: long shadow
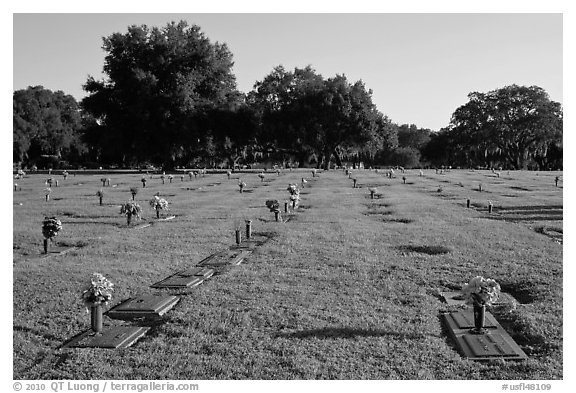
529, 212
534, 207
527, 218
333, 333
35, 332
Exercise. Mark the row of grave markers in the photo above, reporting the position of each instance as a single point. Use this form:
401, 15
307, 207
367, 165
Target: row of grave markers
153, 307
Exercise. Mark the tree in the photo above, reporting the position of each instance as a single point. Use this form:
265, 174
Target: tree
514, 124
304, 113
45, 123
158, 81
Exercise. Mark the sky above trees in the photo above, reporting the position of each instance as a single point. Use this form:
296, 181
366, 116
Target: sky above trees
421, 67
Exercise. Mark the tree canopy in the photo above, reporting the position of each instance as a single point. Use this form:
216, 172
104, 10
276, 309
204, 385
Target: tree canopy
45, 123
513, 124
158, 81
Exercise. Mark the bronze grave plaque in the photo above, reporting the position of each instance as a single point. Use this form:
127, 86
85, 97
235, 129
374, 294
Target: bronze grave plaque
226, 257
112, 338
185, 279
147, 306
495, 343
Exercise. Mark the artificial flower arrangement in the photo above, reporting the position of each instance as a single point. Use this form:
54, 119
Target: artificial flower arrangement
481, 291
241, 184
133, 191
50, 227
273, 205
99, 292
261, 176
100, 195
158, 204
130, 209
47, 192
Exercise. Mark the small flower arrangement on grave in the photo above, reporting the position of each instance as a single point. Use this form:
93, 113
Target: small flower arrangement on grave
100, 195
65, 174
481, 291
228, 173
273, 205
21, 173
261, 176
133, 191
50, 227
242, 185
158, 204
294, 194
143, 180
99, 292
170, 177
130, 209
47, 192
49, 182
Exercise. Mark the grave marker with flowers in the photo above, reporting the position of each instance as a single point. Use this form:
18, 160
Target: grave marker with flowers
143, 180
47, 192
100, 195
274, 206
170, 177
133, 191
261, 176
51, 226
98, 294
130, 209
241, 185
480, 292
158, 204
294, 195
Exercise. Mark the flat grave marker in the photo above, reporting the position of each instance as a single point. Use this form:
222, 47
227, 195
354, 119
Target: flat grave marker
185, 279
111, 338
496, 343
226, 258
146, 306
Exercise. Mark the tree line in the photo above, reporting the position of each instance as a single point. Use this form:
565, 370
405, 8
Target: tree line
169, 99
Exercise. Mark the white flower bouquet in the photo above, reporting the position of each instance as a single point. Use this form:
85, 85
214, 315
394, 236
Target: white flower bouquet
98, 292
481, 291
159, 203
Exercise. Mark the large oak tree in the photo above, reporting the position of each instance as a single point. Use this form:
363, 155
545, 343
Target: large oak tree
157, 82
515, 124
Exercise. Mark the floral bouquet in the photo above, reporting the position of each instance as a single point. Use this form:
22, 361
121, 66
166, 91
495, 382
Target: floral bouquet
159, 203
130, 209
481, 291
99, 291
273, 205
242, 185
261, 176
50, 227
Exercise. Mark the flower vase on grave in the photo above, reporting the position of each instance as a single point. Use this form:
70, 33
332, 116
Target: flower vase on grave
238, 236
248, 229
157, 213
277, 215
128, 219
479, 316
96, 317
45, 246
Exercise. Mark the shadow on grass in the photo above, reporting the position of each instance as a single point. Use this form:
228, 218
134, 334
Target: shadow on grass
327, 333
36, 332
430, 250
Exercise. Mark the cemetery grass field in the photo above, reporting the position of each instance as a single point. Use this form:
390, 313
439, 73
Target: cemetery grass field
348, 288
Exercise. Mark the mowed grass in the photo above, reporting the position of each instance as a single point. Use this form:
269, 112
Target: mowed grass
347, 289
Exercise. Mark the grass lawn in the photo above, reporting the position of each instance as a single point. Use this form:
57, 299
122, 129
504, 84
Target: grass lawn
347, 289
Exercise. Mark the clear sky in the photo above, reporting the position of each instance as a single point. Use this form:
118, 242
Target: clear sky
420, 66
